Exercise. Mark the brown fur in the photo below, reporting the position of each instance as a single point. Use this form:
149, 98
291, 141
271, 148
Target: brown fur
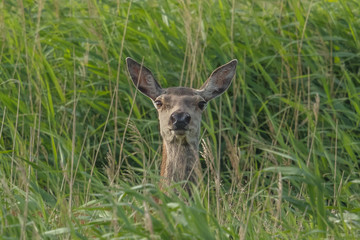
163, 162
180, 160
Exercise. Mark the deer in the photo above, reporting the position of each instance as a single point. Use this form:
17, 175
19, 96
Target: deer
179, 111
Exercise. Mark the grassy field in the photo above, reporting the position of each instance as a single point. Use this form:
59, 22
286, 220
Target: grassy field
80, 148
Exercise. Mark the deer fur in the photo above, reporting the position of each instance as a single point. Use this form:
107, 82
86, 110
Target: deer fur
180, 110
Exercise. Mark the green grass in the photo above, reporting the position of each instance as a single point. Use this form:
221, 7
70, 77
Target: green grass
80, 149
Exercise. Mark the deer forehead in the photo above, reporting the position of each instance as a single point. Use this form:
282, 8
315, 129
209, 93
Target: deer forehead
180, 98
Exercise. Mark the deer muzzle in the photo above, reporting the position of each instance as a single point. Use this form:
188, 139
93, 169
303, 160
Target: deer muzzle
180, 121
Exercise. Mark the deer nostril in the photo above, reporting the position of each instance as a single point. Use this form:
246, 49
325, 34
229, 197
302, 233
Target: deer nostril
180, 120
187, 118
172, 118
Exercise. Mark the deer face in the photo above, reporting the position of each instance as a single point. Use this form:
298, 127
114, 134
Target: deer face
180, 108
180, 111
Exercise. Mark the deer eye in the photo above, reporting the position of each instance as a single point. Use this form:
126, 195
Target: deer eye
202, 105
158, 103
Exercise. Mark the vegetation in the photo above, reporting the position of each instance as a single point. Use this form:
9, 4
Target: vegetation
80, 148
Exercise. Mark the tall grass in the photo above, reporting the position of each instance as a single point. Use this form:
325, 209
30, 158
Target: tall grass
80, 149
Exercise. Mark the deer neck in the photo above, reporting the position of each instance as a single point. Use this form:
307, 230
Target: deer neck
180, 161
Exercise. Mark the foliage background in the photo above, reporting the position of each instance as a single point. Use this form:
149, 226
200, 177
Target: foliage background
79, 148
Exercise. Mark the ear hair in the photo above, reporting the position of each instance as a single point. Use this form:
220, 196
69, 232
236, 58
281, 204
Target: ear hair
219, 80
143, 79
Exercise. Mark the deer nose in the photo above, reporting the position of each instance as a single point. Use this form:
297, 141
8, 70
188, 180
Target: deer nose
180, 120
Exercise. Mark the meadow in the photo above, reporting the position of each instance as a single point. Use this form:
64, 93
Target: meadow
80, 149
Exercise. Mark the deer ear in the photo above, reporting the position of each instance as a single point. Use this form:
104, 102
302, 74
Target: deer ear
218, 81
143, 79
